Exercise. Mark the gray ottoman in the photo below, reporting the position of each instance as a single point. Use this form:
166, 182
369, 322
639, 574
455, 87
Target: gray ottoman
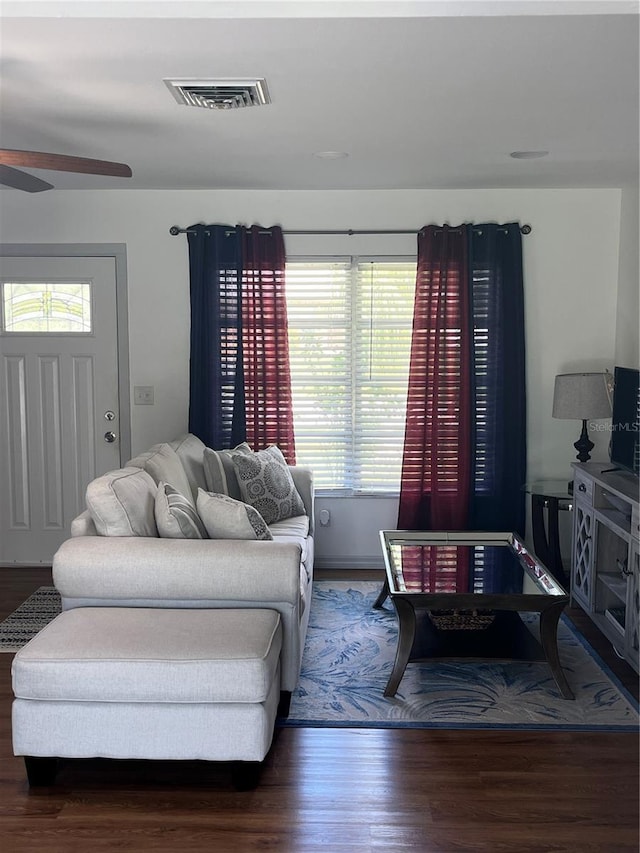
148, 683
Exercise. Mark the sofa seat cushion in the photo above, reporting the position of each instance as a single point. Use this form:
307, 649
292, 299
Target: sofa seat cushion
120, 654
266, 483
164, 466
122, 503
297, 526
296, 530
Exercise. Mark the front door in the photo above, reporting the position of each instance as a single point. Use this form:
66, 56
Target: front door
58, 396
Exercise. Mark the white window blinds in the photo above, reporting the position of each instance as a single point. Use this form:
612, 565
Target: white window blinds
349, 338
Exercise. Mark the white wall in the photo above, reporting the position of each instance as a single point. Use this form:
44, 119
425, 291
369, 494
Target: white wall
628, 316
571, 286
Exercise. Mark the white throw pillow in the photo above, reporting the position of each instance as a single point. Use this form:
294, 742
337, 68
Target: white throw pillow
226, 518
176, 516
266, 483
122, 503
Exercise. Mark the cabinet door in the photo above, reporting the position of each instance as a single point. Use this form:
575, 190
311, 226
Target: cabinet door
582, 554
632, 629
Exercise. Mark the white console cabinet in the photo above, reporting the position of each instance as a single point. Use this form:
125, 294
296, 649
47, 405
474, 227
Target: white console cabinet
605, 567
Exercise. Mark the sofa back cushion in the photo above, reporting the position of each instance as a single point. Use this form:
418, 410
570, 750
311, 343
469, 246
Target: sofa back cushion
176, 516
164, 465
122, 503
190, 452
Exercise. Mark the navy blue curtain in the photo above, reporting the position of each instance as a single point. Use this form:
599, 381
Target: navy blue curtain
216, 389
499, 426
498, 386
240, 381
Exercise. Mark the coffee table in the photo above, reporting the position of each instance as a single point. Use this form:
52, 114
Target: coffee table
458, 595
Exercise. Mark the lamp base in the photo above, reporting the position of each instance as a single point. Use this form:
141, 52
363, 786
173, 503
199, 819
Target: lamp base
584, 445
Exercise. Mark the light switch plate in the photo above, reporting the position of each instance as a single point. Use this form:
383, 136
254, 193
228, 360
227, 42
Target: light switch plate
143, 395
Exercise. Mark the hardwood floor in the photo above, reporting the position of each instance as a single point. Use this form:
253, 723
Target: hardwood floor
334, 790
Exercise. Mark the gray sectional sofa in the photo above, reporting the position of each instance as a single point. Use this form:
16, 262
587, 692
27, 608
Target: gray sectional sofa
116, 558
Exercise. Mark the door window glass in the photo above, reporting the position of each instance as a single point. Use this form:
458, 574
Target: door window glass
43, 307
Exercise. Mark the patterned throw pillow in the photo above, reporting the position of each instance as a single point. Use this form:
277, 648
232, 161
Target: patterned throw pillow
266, 483
176, 516
226, 518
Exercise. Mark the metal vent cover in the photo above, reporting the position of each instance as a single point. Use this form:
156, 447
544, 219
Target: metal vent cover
221, 93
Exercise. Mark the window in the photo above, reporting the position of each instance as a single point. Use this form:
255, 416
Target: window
43, 307
487, 357
350, 325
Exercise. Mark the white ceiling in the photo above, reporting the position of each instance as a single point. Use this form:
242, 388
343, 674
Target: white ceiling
437, 99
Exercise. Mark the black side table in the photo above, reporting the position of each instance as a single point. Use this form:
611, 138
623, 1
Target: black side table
554, 496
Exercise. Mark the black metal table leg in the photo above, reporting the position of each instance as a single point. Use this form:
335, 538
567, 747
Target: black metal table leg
549, 639
546, 542
406, 636
382, 595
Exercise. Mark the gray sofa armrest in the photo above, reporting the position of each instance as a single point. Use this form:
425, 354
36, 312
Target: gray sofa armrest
303, 481
123, 567
83, 525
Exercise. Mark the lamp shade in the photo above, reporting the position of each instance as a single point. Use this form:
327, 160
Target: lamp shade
581, 396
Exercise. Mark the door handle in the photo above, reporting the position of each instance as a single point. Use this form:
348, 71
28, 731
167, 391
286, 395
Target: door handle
110, 437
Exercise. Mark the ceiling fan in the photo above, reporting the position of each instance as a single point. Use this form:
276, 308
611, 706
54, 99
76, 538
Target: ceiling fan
19, 180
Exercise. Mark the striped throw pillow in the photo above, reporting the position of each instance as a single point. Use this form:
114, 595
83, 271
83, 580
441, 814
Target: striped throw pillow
176, 516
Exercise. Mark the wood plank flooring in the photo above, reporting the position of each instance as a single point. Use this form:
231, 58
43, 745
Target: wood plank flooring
334, 790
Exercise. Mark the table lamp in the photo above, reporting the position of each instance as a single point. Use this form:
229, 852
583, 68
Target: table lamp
582, 396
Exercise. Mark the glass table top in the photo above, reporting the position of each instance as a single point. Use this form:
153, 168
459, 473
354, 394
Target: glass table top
550, 489
462, 564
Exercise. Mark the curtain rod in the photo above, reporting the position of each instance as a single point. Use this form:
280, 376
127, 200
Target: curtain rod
175, 230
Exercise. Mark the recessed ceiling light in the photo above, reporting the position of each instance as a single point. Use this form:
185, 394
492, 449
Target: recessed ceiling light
528, 155
330, 155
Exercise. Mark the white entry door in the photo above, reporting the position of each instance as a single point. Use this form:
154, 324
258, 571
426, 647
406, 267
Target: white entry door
58, 396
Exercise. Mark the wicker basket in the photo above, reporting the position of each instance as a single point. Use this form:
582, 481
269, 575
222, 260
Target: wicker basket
461, 620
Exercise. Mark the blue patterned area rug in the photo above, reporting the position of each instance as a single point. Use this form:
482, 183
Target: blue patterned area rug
349, 656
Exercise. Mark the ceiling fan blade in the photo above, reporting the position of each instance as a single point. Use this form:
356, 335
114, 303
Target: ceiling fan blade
63, 163
22, 181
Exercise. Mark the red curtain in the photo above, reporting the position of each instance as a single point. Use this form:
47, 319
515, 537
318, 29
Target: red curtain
265, 343
437, 464
437, 568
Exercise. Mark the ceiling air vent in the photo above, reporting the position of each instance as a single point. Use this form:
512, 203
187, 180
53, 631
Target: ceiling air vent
221, 94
